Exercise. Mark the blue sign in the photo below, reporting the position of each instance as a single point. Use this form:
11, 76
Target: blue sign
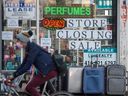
102, 50
104, 3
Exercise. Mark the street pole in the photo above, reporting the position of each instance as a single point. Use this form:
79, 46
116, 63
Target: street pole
118, 32
37, 20
1, 34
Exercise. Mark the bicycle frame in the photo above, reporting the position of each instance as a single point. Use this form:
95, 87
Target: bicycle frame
16, 82
9, 89
52, 84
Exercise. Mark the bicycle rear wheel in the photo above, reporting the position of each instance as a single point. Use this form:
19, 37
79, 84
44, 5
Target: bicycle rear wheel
61, 93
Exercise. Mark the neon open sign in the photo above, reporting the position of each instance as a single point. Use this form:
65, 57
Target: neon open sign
68, 11
53, 23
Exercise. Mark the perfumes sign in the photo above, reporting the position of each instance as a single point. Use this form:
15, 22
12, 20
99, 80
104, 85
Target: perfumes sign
68, 11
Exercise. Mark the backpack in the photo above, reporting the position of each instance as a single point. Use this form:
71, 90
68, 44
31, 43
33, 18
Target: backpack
59, 63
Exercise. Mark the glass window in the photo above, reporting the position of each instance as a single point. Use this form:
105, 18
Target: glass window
76, 28
101, 31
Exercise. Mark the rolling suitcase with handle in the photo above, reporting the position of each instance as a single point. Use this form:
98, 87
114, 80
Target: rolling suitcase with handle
75, 79
93, 79
116, 80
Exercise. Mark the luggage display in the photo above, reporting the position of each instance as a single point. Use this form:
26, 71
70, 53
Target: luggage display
116, 80
75, 79
93, 79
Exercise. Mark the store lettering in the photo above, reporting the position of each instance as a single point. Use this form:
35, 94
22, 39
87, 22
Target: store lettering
68, 11
20, 9
102, 50
102, 55
84, 34
100, 62
84, 45
86, 23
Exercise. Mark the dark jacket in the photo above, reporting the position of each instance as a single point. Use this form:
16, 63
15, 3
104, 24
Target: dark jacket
38, 57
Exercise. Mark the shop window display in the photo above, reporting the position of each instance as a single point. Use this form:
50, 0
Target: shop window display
103, 9
12, 57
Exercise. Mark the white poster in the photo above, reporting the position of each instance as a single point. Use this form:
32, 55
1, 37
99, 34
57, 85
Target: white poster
12, 23
20, 9
81, 45
7, 35
84, 34
89, 22
45, 42
103, 56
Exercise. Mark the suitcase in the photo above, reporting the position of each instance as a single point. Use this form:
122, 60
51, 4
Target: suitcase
75, 79
93, 79
116, 80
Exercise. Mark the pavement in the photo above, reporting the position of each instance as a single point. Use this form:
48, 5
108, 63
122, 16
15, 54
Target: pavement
99, 95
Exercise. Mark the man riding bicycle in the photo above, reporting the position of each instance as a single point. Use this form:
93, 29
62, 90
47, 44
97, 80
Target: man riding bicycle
38, 57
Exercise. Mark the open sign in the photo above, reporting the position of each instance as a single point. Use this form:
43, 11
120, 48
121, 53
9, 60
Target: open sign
53, 23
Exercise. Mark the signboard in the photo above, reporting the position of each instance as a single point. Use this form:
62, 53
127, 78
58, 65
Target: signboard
106, 56
84, 34
88, 22
77, 10
20, 9
81, 45
45, 41
7, 35
104, 3
12, 23
53, 23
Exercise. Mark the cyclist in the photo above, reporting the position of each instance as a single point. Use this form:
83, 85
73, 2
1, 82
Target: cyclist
38, 57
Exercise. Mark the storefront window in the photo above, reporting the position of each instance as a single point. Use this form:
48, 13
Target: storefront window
83, 35
76, 28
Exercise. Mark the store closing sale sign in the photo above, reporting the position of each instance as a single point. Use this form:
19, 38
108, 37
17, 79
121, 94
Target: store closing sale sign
106, 56
84, 34
81, 45
88, 22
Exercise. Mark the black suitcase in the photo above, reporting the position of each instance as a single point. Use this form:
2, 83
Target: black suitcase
116, 80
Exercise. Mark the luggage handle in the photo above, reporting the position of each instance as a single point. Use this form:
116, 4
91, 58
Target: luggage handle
96, 60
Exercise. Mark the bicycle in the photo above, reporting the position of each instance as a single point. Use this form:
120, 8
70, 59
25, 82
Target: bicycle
15, 91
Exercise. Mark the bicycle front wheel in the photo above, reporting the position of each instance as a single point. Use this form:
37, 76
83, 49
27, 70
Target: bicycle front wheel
61, 93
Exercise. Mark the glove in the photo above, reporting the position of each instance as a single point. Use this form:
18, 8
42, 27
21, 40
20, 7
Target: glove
8, 81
